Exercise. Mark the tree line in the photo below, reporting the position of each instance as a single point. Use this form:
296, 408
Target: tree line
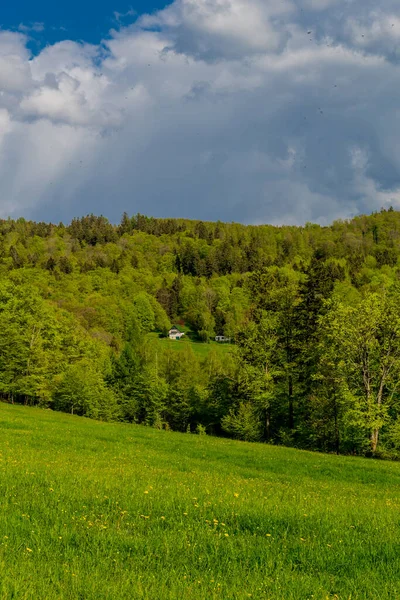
314, 313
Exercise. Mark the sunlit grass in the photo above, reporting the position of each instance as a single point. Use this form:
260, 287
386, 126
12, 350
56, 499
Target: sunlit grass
92, 510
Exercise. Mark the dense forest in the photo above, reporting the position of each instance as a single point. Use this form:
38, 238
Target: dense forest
313, 313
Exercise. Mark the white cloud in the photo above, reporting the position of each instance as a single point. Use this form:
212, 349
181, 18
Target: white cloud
14, 74
378, 32
60, 102
13, 44
5, 123
120, 17
35, 27
215, 29
209, 109
320, 4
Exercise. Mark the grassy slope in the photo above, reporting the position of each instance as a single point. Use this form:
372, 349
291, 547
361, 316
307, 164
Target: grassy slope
93, 511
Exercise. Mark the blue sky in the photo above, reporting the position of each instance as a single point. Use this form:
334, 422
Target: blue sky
255, 111
76, 20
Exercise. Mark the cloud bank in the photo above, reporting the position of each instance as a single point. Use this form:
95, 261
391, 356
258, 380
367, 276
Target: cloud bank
246, 110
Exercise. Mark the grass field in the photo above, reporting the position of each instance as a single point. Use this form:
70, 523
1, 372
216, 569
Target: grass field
91, 511
199, 348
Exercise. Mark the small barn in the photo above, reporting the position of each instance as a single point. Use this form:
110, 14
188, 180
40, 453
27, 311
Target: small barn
175, 333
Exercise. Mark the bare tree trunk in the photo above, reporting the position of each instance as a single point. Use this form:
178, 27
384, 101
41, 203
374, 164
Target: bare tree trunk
375, 432
367, 388
374, 440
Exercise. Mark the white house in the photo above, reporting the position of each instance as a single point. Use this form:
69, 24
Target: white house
222, 338
175, 333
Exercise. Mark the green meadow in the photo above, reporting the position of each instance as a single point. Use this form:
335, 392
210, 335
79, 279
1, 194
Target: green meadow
92, 511
200, 348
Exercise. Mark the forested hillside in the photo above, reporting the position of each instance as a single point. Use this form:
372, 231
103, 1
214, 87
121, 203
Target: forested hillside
314, 313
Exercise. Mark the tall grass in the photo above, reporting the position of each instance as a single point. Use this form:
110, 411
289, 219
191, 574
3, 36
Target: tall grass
108, 511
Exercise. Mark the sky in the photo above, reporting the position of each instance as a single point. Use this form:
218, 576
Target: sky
254, 111
49, 22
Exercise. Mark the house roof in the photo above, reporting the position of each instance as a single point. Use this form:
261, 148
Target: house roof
174, 327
